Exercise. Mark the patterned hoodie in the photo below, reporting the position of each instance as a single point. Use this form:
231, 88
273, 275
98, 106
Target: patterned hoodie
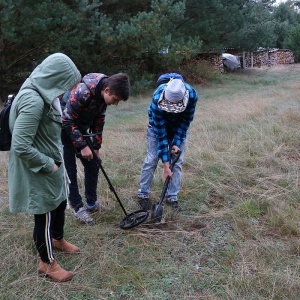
85, 110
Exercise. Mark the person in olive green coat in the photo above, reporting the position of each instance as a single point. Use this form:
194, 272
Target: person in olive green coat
37, 179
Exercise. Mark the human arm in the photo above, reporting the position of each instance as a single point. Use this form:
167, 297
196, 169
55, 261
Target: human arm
157, 119
186, 117
167, 173
75, 105
27, 115
98, 125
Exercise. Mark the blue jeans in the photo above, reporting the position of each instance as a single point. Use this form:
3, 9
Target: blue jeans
91, 173
150, 165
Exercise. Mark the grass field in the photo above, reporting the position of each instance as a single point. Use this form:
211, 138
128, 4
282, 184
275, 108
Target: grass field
238, 234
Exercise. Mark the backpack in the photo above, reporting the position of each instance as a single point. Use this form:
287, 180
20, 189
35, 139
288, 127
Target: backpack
165, 78
63, 100
5, 135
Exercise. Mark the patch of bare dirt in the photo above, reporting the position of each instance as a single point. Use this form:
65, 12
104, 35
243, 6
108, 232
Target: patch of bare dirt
171, 226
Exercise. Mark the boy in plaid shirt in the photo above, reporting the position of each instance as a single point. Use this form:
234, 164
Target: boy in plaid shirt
170, 115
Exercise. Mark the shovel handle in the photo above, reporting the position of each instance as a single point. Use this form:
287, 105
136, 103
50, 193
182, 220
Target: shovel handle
166, 183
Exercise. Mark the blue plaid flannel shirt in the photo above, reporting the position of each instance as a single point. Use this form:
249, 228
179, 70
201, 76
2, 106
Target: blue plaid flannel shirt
170, 127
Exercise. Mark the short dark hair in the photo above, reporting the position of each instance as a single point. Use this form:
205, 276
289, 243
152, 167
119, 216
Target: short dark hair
119, 84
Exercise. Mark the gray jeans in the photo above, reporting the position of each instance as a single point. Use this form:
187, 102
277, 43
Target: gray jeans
150, 165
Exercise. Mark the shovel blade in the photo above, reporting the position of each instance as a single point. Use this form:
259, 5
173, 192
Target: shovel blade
156, 213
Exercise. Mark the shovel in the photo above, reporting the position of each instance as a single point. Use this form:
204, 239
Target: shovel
158, 208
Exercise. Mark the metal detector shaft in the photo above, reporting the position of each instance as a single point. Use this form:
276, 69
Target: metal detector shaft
131, 220
98, 161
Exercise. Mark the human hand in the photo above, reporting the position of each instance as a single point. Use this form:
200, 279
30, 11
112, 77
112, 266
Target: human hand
175, 150
167, 172
55, 168
86, 153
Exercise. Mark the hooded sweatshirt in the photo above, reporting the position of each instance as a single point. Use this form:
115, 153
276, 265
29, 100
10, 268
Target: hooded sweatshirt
85, 111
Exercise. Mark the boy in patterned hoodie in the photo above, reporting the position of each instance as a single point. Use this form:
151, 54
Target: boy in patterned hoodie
84, 111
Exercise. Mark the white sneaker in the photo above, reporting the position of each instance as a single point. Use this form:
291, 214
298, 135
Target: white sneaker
97, 207
83, 216
93, 208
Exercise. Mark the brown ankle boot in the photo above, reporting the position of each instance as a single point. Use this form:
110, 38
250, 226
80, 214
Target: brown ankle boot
55, 271
65, 246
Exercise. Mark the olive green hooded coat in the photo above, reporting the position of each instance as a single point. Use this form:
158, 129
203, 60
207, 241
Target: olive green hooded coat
36, 124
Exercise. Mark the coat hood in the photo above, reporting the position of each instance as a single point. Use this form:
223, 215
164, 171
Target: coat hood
91, 80
54, 76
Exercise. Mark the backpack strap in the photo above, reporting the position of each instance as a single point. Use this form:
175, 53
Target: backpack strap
165, 78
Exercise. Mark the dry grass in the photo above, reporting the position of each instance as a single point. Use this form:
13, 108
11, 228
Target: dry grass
238, 235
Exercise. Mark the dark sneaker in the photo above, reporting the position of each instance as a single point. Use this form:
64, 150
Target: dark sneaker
174, 204
144, 203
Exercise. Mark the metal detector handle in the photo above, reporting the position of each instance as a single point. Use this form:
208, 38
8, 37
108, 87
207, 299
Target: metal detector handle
166, 183
87, 137
78, 154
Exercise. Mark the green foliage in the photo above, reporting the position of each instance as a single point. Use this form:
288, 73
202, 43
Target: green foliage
142, 84
256, 28
286, 18
245, 25
199, 72
251, 209
293, 41
32, 30
96, 38
141, 38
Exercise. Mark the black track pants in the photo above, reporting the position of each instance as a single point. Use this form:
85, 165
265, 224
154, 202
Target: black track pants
47, 226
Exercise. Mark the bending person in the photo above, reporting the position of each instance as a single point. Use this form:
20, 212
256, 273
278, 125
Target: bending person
170, 115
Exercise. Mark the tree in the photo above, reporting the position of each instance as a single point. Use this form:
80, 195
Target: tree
293, 41
141, 37
133, 43
286, 18
255, 29
31, 30
107, 37
242, 24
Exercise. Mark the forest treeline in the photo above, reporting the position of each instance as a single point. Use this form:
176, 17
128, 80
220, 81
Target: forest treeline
141, 37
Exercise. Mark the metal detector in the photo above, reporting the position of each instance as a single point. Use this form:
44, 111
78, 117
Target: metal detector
158, 208
132, 219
